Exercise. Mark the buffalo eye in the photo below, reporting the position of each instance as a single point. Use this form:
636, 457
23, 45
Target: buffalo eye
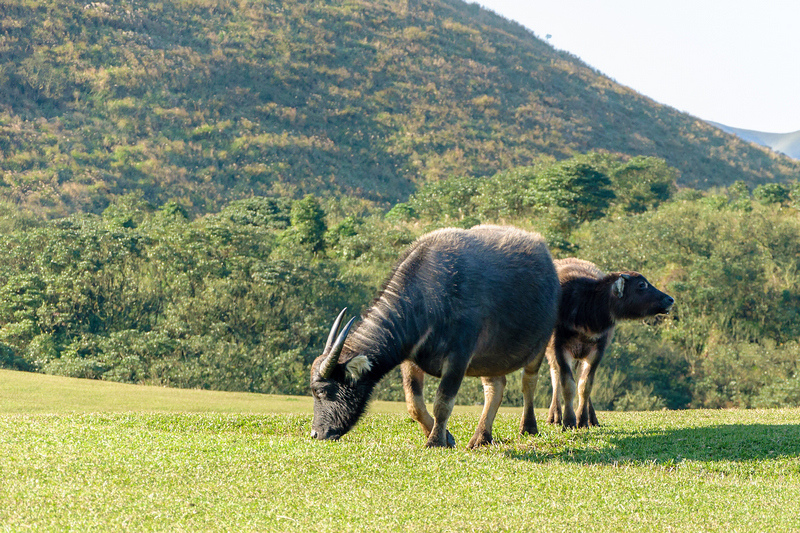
318, 392
642, 285
323, 392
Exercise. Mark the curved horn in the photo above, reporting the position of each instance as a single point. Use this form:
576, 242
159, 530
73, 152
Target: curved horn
334, 331
327, 366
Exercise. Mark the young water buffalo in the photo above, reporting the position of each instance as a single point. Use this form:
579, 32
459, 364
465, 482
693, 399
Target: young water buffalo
478, 302
591, 304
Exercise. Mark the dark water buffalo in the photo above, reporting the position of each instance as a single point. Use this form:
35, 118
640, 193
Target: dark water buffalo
591, 304
478, 302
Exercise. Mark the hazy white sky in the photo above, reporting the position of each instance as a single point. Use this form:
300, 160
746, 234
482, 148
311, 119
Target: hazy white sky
735, 62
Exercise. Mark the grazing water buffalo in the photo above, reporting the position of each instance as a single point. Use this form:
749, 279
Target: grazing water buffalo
591, 304
478, 302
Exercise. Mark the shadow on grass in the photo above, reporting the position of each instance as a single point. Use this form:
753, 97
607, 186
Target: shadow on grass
732, 442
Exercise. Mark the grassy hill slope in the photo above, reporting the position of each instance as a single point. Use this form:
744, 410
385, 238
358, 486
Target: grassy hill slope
207, 100
31, 393
28, 393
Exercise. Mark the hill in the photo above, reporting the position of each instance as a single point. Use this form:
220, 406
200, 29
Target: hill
204, 101
29, 393
785, 143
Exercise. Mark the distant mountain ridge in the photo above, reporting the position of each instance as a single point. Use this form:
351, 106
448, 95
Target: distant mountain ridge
784, 143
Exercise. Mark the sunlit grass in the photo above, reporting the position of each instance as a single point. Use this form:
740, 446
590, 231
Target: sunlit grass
241, 467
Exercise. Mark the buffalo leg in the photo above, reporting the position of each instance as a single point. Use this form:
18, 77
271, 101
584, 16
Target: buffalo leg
588, 367
592, 416
584, 390
493, 395
565, 364
452, 376
600, 352
530, 377
413, 380
554, 413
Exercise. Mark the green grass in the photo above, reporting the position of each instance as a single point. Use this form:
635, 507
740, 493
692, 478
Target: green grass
76, 459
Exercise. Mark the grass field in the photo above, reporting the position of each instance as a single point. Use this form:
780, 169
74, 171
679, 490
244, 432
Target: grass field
84, 455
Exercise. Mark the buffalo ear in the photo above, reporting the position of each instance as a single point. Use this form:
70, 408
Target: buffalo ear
357, 367
618, 287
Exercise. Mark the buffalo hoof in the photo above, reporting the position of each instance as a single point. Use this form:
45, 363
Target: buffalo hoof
529, 429
587, 422
447, 442
480, 439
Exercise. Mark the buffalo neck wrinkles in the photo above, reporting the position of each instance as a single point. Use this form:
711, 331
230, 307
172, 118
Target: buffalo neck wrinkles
392, 325
385, 335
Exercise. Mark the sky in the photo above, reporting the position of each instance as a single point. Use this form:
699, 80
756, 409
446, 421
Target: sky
735, 62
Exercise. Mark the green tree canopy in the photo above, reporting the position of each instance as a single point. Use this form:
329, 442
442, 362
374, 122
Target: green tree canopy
308, 223
577, 186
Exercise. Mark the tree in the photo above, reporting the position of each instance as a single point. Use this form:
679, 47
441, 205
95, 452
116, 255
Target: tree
447, 199
308, 223
577, 186
772, 193
643, 183
268, 212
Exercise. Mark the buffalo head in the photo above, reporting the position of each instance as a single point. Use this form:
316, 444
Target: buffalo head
635, 297
341, 390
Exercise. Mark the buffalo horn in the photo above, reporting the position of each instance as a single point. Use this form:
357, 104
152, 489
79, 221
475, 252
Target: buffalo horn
334, 331
326, 369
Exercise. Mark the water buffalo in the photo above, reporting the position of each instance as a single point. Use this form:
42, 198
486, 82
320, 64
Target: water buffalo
591, 304
478, 302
